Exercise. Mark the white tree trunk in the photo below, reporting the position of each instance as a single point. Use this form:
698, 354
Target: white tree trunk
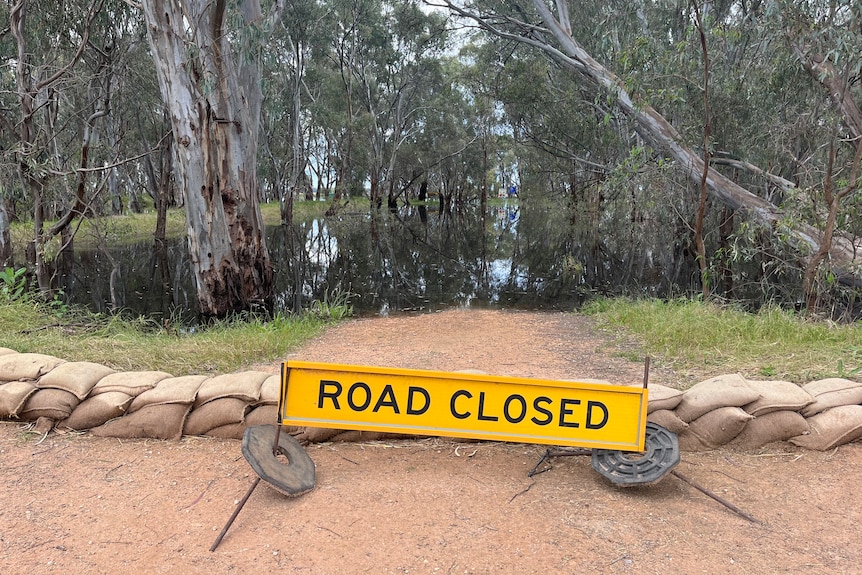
214, 104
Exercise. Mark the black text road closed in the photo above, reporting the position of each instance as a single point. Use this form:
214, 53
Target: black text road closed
422, 402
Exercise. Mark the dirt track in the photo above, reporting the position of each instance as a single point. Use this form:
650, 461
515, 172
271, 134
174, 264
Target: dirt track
75, 503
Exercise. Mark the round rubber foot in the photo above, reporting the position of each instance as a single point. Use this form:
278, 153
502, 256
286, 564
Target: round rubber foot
625, 469
293, 478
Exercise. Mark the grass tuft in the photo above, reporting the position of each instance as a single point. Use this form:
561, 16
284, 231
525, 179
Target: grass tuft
703, 339
142, 344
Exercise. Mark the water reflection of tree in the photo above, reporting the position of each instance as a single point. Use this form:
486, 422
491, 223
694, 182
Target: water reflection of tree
133, 278
528, 253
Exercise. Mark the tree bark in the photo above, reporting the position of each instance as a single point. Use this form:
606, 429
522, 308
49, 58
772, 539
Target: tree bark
5, 236
214, 103
297, 165
701, 208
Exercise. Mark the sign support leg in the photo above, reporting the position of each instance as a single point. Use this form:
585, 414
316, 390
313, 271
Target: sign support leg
234, 514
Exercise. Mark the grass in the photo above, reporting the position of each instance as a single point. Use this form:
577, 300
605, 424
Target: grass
700, 340
302, 211
141, 344
697, 340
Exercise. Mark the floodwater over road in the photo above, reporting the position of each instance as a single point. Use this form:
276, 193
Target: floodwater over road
514, 255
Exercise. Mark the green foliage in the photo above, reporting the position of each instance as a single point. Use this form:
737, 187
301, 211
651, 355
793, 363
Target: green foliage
335, 306
702, 339
377, 86
13, 285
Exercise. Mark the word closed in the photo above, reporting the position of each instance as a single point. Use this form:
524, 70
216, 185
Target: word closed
473, 406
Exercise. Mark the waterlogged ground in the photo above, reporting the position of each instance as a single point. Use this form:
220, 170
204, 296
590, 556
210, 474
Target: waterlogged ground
74, 503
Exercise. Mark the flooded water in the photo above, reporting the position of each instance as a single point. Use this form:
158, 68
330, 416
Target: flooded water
515, 255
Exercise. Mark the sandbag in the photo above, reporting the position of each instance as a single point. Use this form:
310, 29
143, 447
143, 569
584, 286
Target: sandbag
162, 421
831, 392
723, 391
663, 397
832, 428
23, 366
315, 434
777, 396
769, 428
229, 431
54, 404
668, 419
244, 385
262, 415
43, 425
270, 390
691, 442
714, 428
171, 390
215, 413
96, 410
77, 377
132, 383
13, 396
355, 435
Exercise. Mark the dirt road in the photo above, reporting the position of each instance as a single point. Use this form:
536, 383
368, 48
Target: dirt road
78, 504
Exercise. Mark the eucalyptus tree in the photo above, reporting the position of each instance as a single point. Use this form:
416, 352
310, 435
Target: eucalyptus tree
395, 71
207, 59
8, 140
444, 152
286, 125
63, 68
826, 39
565, 138
337, 107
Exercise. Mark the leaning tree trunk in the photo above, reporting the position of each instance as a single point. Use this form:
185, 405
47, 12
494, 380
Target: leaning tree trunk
657, 130
214, 100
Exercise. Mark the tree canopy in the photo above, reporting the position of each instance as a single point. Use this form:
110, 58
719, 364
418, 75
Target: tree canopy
600, 108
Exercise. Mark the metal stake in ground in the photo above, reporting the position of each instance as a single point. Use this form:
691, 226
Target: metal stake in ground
721, 500
648, 469
236, 511
261, 446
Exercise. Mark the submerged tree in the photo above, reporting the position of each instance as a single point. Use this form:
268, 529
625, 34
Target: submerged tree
38, 85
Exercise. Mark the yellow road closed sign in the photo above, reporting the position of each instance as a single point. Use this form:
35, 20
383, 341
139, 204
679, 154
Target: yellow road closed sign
593, 415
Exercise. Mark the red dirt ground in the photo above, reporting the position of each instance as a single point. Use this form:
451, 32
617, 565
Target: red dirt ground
75, 503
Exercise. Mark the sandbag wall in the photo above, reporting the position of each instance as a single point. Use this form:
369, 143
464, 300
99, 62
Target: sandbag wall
725, 410
748, 414
133, 404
